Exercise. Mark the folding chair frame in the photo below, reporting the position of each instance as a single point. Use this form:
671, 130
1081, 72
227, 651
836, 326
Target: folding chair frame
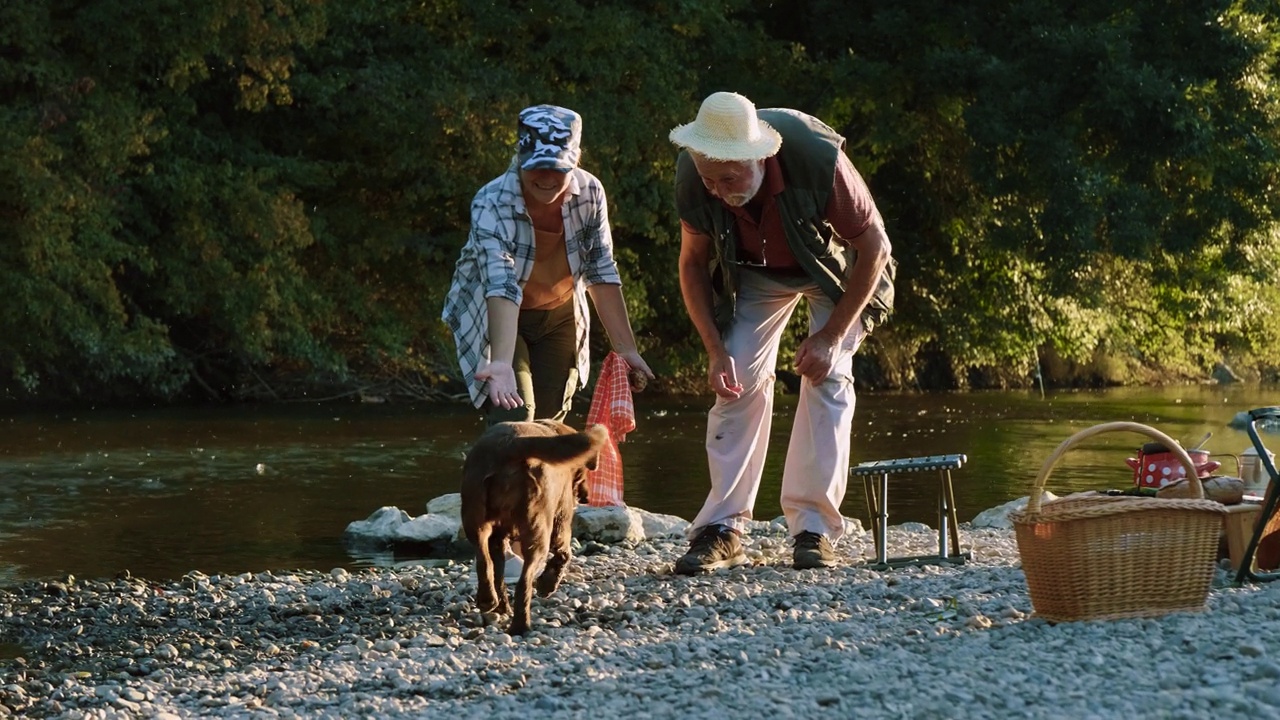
1272, 498
875, 482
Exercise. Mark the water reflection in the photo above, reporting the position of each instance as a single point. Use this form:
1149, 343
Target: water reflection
241, 489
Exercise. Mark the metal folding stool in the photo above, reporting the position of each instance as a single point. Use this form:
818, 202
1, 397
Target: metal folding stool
1270, 499
875, 481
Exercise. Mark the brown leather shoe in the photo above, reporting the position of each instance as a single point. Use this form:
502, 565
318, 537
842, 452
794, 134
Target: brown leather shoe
813, 550
717, 546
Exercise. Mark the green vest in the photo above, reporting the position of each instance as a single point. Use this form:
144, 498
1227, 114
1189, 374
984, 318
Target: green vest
808, 157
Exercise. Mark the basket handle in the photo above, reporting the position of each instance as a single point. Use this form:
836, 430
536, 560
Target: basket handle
1033, 504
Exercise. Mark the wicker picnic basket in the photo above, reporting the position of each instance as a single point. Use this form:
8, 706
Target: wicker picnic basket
1099, 557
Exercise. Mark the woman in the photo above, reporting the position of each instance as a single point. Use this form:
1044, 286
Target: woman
539, 244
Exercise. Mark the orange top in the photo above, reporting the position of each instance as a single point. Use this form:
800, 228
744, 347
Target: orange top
550, 284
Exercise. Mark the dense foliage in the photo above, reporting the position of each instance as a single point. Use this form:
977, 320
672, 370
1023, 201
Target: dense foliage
264, 198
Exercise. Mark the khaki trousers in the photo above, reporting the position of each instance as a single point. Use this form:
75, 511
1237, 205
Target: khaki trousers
816, 469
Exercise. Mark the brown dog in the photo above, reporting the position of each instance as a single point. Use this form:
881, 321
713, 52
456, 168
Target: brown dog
522, 480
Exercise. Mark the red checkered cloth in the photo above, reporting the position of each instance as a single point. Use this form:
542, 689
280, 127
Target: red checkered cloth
611, 406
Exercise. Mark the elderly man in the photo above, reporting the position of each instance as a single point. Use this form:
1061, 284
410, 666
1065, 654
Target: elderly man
771, 211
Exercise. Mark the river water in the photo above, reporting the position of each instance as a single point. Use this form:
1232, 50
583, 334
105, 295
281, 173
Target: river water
250, 488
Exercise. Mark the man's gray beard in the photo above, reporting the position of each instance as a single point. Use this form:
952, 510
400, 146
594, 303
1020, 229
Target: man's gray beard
743, 199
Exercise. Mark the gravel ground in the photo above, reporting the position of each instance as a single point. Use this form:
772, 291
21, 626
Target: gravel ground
624, 636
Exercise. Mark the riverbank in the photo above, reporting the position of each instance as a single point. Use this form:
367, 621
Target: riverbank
624, 636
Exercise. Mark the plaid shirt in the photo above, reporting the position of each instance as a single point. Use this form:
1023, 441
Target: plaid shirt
498, 258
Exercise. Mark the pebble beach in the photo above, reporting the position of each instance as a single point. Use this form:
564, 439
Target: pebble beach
624, 637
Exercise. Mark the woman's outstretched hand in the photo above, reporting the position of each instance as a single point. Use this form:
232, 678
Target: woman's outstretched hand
501, 379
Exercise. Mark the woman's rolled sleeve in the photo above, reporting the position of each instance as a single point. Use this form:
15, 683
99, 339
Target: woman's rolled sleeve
599, 266
494, 240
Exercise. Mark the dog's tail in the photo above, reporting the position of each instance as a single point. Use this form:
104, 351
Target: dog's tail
577, 447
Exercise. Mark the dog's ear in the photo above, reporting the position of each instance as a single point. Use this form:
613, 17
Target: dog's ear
580, 486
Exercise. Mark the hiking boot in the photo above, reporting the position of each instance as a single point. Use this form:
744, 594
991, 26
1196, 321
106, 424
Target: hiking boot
813, 550
717, 546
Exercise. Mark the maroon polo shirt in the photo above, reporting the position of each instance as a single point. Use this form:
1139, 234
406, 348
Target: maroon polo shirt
761, 238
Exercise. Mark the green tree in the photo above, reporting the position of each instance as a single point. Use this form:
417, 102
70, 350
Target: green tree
248, 199
143, 234
1022, 150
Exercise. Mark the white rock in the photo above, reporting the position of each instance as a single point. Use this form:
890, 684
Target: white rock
612, 524
429, 528
512, 566
381, 524
658, 525
998, 517
449, 505
166, 652
913, 527
389, 525
852, 527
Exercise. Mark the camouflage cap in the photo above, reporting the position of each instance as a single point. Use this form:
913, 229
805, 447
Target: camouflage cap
550, 138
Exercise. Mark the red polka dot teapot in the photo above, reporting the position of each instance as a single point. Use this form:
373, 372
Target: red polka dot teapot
1156, 467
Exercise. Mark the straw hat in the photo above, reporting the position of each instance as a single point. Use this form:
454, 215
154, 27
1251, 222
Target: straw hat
727, 128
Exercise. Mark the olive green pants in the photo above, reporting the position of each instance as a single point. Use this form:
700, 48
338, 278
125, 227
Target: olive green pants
546, 366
